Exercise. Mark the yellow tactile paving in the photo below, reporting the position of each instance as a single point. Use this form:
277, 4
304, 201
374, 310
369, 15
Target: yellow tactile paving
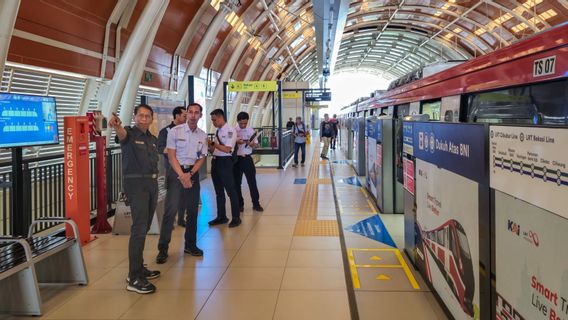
308, 223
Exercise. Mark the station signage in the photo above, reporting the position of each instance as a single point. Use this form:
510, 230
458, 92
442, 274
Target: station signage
316, 95
252, 86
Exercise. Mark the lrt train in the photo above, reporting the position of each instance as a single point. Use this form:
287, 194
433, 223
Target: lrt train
524, 83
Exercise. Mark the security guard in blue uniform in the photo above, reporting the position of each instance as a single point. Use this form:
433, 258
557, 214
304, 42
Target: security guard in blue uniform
222, 174
140, 171
246, 140
179, 115
186, 149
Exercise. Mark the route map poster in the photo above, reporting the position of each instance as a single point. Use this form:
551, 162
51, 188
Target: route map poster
530, 163
528, 173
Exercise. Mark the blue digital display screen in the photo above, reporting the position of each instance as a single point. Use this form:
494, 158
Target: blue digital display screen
27, 120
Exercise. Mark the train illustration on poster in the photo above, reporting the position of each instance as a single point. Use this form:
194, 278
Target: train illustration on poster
449, 248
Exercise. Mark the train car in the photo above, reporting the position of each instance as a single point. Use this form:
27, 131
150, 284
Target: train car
522, 83
449, 248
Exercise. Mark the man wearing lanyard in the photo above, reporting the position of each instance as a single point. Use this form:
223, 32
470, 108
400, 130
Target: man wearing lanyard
186, 153
140, 171
179, 114
222, 169
245, 164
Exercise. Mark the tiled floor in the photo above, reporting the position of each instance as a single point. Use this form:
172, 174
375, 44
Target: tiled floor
260, 270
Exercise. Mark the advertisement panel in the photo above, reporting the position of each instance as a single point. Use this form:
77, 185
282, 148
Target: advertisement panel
531, 261
162, 113
378, 163
447, 219
371, 152
448, 246
530, 163
200, 96
408, 166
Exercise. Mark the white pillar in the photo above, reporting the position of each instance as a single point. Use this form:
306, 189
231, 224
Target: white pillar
137, 39
196, 62
250, 72
8, 15
227, 72
133, 83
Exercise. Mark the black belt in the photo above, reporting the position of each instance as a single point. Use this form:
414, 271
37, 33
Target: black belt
135, 175
222, 157
244, 155
186, 166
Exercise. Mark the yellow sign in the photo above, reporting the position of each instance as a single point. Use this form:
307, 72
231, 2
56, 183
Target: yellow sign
291, 95
252, 86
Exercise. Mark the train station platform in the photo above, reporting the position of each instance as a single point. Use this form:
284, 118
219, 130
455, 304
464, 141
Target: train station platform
320, 250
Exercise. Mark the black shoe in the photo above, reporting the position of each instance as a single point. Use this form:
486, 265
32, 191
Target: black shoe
324, 157
181, 223
258, 208
235, 222
217, 221
242, 209
195, 251
141, 285
148, 274
162, 257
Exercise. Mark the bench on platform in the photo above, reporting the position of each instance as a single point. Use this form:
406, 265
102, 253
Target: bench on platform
27, 262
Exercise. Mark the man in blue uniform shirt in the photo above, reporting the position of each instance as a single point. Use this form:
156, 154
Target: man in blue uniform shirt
245, 164
186, 148
140, 171
222, 169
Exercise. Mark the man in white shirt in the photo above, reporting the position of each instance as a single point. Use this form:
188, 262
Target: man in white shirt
245, 164
222, 173
186, 148
299, 131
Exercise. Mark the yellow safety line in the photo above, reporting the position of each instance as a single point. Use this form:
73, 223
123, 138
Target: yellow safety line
409, 274
353, 268
379, 266
354, 273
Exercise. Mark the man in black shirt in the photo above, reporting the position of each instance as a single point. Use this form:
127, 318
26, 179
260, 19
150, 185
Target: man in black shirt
326, 134
289, 124
179, 114
140, 171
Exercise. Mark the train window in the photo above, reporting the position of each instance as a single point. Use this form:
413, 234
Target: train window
543, 103
464, 245
433, 109
402, 110
452, 244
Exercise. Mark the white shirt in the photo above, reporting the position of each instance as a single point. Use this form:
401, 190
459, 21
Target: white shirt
228, 137
245, 134
297, 129
190, 146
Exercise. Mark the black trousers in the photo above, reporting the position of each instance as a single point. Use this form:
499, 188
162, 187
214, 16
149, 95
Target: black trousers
142, 195
224, 180
175, 195
297, 147
246, 165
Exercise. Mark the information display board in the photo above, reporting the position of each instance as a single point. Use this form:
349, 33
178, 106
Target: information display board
27, 120
528, 173
448, 218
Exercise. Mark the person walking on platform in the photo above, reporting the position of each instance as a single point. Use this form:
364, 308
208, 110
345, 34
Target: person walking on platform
335, 126
299, 131
289, 124
186, 148
245, 163
140, 173
179, 114
222, 165
326, 134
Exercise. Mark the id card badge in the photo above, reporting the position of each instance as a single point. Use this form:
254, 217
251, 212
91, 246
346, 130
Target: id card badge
199, 150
